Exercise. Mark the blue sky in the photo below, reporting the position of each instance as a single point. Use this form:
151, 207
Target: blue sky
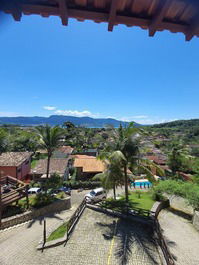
84, 70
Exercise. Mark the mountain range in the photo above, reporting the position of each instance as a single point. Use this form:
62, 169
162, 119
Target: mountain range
60, 119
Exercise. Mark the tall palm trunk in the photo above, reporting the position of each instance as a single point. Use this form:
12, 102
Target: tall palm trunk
48, 166
126, 183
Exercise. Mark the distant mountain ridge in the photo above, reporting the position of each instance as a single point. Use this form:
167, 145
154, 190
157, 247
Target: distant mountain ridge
60, 119
178, 123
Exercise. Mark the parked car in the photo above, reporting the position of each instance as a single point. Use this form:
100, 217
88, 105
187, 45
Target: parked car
63, 189
34, 190
96, 195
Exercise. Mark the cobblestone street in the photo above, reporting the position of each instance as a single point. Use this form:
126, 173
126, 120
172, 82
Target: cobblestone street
182, 238
97, 239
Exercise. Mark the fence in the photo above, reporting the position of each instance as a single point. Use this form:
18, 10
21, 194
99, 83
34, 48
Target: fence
74, 218
141, 212
167, 254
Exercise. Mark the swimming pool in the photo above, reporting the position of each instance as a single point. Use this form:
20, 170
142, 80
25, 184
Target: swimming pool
141, 184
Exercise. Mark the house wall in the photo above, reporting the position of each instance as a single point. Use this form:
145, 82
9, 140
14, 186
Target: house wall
9, 171
25, 169
19, 172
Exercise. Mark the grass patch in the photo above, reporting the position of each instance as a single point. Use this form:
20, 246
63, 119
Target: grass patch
36, 158
34, 163
142, 200
58, 233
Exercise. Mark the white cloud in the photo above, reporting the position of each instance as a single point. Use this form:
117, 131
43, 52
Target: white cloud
140, 117
76, 113
49, 108
143, 119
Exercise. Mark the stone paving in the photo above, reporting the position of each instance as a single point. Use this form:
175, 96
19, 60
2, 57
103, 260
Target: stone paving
182, 238
97, 239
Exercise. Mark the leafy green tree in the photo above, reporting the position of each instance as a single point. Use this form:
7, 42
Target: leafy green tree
179, 158
49, 140
3, 141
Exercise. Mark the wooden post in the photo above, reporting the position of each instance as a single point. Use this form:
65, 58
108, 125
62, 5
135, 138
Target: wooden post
27, 198
44, 233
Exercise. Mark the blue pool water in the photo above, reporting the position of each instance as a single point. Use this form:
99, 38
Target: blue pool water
137, 184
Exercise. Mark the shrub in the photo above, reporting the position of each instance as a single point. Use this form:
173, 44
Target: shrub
187, 190
41, 200
82, 184
61, 195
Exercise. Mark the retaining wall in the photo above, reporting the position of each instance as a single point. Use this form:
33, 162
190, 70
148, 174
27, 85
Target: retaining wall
196, 220
55, 207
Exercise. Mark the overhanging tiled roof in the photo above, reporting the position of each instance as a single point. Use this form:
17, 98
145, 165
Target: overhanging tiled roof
56, 166
13, 159
89, 164
154, 15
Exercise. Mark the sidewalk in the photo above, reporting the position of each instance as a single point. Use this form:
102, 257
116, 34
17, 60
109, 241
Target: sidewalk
182, 238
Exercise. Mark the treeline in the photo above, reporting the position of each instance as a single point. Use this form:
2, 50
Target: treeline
178, 123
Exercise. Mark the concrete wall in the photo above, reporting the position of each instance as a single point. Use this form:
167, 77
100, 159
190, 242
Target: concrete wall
55, 207
180, 204
196, 220
158, 206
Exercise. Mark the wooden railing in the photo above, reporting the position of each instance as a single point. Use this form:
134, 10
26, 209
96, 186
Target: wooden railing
75, 217
142, 212
162, 243
11, 180
18, 190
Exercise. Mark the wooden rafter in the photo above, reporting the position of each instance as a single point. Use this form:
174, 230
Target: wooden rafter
112, 14
160, 13
63, 12
127, 16
193, 29
16, 11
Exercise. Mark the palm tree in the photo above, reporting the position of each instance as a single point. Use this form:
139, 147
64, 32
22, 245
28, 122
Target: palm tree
126, 142
113, 175
49, 140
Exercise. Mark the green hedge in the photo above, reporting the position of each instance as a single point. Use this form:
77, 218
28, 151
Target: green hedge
82, 184
187, 190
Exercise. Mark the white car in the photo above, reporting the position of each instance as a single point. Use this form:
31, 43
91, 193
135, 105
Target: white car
95, 195
34, 190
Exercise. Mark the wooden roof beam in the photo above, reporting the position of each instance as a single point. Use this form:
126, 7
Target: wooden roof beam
63, 11
192, 30
16, 11
160, 14
112, 14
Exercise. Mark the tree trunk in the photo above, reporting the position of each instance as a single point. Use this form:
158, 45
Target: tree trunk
48, 167
114, 193
126, 183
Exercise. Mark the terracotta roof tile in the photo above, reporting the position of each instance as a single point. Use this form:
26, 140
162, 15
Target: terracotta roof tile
13, 158
58, 166
89, 163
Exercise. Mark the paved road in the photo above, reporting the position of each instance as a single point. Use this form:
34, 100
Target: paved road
98, 239
182, 238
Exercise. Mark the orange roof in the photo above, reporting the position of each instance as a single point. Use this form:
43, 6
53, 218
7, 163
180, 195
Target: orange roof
89, 163
66, 149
